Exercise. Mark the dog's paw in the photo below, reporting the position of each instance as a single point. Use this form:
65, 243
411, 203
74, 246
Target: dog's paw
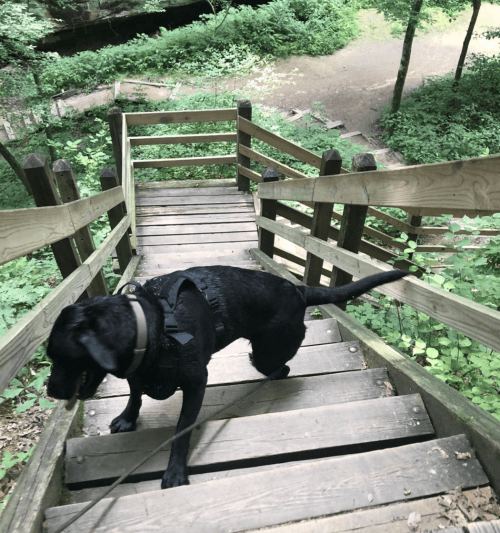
282, 374
121, 425
174, 476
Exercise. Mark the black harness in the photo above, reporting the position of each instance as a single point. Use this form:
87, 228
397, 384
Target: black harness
166, 288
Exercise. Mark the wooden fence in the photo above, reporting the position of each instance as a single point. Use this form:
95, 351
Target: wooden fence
61, 220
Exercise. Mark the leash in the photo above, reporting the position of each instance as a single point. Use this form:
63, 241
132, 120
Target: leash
160, 448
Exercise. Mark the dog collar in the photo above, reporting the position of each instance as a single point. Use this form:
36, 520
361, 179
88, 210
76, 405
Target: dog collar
142, 334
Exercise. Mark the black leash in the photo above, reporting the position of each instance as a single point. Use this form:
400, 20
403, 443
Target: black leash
160, 448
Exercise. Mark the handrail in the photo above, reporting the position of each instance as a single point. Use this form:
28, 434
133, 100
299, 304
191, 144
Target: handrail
478, 322
23, 231
469, 185
21, 341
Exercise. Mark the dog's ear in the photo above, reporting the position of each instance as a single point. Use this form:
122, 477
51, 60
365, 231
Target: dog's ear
105, 357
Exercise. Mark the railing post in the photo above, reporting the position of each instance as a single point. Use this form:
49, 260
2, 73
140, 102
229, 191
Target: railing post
353, 221
268, 210
331, 164
68, 191
115, 127
123, 248
416, 221
244, 109
45, 194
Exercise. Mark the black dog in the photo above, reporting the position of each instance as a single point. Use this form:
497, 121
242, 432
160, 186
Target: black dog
212, 307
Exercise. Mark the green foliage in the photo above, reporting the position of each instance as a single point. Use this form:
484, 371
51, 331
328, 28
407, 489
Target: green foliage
8, 461
279, 28
442, 122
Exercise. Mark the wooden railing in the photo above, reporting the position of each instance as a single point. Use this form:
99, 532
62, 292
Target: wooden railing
471, 186
66, 228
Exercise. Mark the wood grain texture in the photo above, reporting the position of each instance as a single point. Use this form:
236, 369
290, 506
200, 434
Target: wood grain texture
472, 319
193, 191
195, 228
470, 184
252, 438
185, 184
183, 139
194, 210
188, 199
284, 395
160, 241
204, 247
180, 117
280, 143
298, 492
185, 161
270, 162
19, 343
248, 173
231, 369
186, 220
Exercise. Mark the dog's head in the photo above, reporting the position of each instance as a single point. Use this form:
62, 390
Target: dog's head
88, 340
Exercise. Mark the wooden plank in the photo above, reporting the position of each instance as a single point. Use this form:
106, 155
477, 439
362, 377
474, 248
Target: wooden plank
185, 161
245, 200
474, 184
180, 117
185, 184
204, 247
325, 487
19, 343
270, 162
284, 395
195, 191
143, 222
197, 238
41, 480
450, 412
484, 527
183, 139
157, 260
352, 134
200, 228
472, 319
195, 210
248, 173
231, 369
288, 147
253, 438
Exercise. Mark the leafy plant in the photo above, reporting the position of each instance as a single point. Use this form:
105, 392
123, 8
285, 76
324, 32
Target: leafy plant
29, 395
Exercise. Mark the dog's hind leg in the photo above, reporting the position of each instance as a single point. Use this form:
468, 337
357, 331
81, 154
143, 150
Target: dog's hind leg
177, 472
126, 421
273, 348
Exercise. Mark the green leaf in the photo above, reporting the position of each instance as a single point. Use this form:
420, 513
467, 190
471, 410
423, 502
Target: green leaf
45, 404
11, 393
432, 353
25, 406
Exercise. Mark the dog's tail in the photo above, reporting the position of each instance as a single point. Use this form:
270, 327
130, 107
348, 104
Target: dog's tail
323, 295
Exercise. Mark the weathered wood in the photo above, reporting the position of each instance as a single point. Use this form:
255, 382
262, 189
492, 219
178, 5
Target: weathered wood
19, 343
231, 369
42, 185
325, 487
193, 258
250, 174
185, 184
353, 223
69, 192
470, 184
252, 438
470, 318
184, 139
283, 395
273, 267
41, 480
185, 161
144, 222
180, 117
450, 412
115, 121
25, 230
331, 164
194, 191
195, 200
283, 145
204, 247
129, 272
483, 527
268, 210
194, 228
244, 110
270, 162
199, 210
124, 252
160, 241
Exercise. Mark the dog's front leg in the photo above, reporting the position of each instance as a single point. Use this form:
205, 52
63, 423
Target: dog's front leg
176, 473
126, 421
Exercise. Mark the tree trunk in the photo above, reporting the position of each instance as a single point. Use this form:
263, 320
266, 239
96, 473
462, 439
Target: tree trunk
476, 6
16, 167
405, 57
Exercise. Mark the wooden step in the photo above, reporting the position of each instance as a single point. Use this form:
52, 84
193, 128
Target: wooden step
195, 200
285, 395
207, 218
231, 369
194, 228
216, 209
193, 192
162, 242
225, 248
288, 494
251, 440
184, 184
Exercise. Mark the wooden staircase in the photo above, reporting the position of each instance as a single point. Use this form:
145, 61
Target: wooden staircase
330, 445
